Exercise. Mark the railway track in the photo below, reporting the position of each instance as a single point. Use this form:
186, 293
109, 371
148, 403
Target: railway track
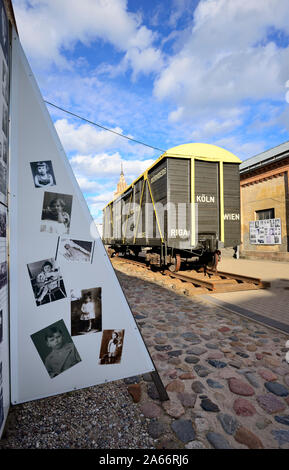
211, 282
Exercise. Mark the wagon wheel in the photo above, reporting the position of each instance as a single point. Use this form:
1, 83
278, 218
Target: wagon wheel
216, 259
175, 266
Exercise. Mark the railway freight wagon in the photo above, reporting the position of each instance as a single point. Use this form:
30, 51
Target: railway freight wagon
185, 207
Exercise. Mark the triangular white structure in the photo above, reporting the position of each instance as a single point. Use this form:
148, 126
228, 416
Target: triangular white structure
49, 218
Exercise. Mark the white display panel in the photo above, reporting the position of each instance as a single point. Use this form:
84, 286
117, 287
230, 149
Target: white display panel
77, 294
4, 163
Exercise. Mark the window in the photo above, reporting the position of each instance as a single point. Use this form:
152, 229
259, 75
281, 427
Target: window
265, 214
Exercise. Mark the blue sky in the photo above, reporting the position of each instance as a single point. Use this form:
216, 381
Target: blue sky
165, 72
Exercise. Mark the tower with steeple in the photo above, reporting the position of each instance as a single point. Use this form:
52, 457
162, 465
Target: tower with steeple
121, 185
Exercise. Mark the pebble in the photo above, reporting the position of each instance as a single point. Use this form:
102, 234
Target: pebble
187, 376
282, 436
195, 445
151, 410
208, 405
217, 364
197, 387
135, 391
197, 351
156, 429
192, 360
240, 388
263, 422
243, 407
246, 437
175, 353
267, 375
175, 386
184, 430
252, 379
215, 355
132, 380
277, 388
211, 346
218, 441
270, 403
228, 422
282, 419
188, 400
201, 424
202, 371
173, 407
214, 384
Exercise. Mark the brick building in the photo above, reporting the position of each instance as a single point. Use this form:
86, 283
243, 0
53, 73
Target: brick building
264, 181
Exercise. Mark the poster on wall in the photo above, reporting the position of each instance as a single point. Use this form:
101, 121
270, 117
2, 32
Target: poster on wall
265, 232
71, 326
4, 139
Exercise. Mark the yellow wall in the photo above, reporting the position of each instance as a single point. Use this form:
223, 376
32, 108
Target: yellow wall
259, 196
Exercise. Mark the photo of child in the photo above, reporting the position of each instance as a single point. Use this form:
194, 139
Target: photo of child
56, 213
3, 219
75, 250
1, 326
5, 119
43, 174
86, 311
111, 347
3, 180
5, 82
1, 407
46, 281
56, 348
3, 274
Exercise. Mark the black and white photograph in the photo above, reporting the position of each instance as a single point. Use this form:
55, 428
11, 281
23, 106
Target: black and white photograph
4, 149
43, 174
1, 407
3, 274
4, 33
3, 179
1, 326
5, 82
111, 347
56, 213
5, 119
46, 281
56, 348
86, 311
3, 221
75, 250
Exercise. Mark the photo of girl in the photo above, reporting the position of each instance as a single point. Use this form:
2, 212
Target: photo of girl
86, 311
46, 281
56, 213
43, 174
111, 347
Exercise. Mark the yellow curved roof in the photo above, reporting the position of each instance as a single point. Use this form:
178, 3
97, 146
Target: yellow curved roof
207, 152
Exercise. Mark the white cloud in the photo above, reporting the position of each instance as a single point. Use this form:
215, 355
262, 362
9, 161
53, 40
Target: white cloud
86, 138
89, 139
107, 165
227, 58
46, 27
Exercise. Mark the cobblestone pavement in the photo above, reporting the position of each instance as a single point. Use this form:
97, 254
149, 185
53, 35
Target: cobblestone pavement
226, 376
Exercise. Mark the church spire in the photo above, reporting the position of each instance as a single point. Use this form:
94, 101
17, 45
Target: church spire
121, 185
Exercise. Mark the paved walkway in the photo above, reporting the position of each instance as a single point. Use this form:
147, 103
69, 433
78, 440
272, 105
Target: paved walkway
271, 303
226, 376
